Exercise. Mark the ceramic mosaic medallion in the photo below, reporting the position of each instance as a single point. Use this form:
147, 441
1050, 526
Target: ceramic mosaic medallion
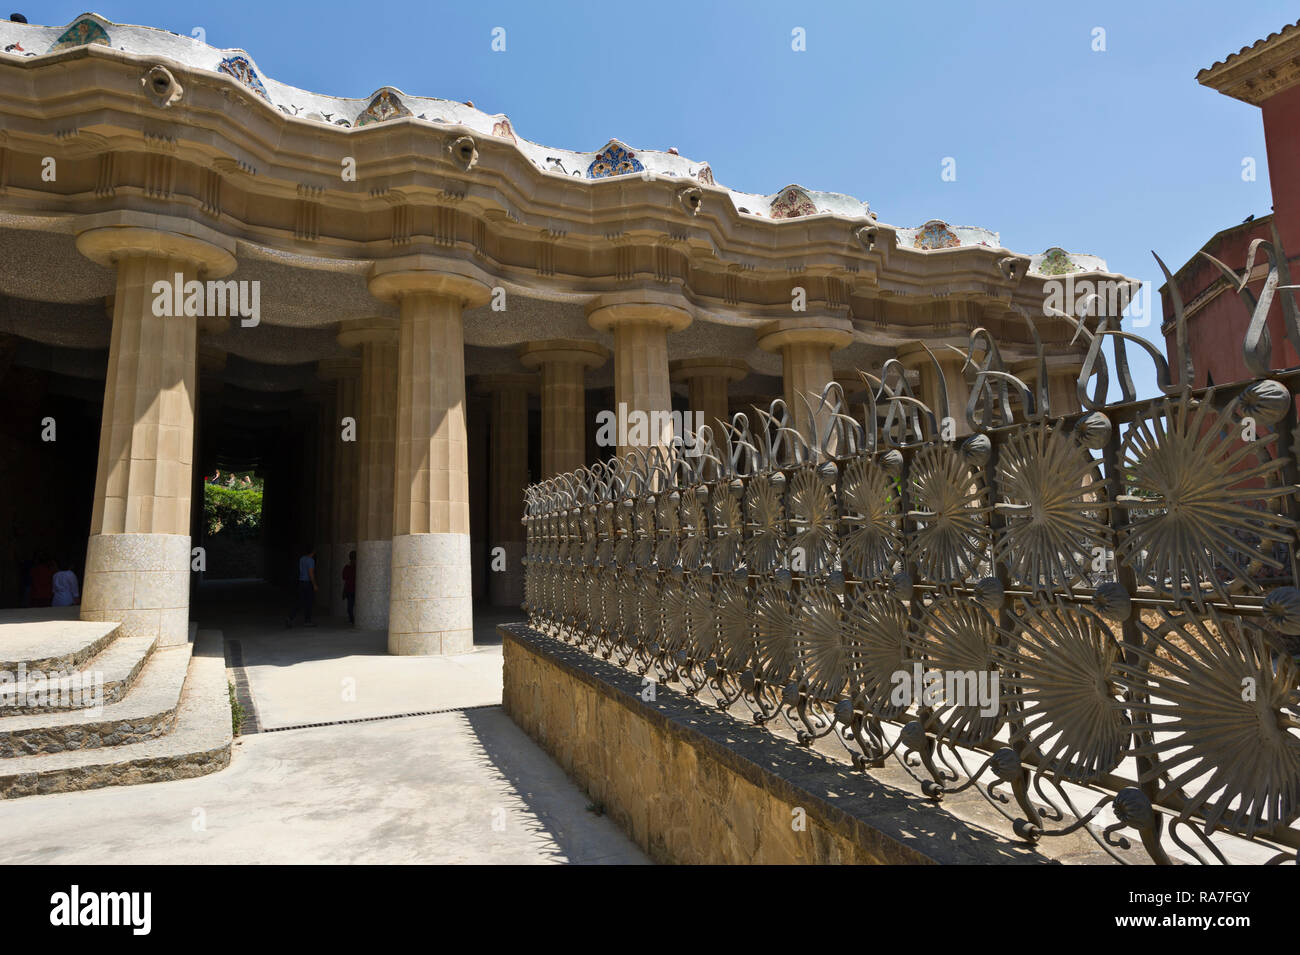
1056, 262
614, 160
936, 235
241, 69
791, 203
80, 34
385, 106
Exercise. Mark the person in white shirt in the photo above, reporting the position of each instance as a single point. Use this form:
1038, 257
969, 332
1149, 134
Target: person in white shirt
66, 591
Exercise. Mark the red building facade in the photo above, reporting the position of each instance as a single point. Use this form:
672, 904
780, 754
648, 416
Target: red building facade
1265, 74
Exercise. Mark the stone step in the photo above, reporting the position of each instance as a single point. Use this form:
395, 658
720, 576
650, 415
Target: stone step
146, 712
199, 741
50, 638
117, 666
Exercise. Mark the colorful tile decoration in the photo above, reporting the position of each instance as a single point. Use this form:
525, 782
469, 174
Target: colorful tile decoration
385, 106
614, 160
502, 128
241, 69
705, 175
1056, 262
791, 203
936, 235
80, 34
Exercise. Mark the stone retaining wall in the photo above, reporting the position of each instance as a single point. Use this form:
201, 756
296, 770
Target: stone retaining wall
692, 785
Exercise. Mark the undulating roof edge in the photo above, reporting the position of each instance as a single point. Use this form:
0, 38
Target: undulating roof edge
615, 158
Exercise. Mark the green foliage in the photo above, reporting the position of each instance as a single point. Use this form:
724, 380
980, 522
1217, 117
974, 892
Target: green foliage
236, 710
235, 511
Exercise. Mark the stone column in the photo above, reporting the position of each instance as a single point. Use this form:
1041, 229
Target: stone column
376, 448
138, 554
914, 358
508, 476
431, 607
641, 382
805, 346
345, 373
707, 380
563, 364
1062, 381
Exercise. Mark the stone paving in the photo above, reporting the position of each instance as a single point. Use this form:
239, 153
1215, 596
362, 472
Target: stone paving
463, 786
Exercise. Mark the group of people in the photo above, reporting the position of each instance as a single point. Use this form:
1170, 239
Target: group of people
308, 588
231, 480
50, 583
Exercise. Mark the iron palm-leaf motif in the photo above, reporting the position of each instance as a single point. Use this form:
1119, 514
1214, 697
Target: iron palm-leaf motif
825, 643
643, 546
694, 527
882, 629
1062, 660
735, 626
727, 550
956, 638
1191, 484
765, 518
667, 528
811, 506
623, 533
1215, 709
951, 515
701, 622
774, 628
871, 539
673, 602
1050, 488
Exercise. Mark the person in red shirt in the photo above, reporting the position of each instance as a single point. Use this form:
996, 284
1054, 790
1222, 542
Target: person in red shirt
350, 586
43, 582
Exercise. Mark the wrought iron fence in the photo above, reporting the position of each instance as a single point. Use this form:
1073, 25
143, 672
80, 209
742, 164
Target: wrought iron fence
1122, 578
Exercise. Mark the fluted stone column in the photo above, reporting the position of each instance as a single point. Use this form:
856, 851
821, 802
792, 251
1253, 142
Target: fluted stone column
805, 346
707, 380
563, 364
431, 606
345, 373
915, 358
138, 554
377, 436
641, 383
507, 478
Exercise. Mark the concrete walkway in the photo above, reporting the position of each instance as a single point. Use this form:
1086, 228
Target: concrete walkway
464, 786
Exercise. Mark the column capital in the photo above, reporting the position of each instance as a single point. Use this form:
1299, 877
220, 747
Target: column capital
334, 369
1057, 364
365, 331
660, 309
392, 279
505, 381
912, 355
571, 350
684, 369
814, 330
108, 237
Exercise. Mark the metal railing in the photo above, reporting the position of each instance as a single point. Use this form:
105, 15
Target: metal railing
1087, 619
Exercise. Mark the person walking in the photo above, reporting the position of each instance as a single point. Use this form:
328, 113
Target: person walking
306, 589
350, 586
66, 591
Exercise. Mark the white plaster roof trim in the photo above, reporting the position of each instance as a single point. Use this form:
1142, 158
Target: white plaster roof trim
22, 39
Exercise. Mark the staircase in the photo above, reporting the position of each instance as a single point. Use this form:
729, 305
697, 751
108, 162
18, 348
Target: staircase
148, 714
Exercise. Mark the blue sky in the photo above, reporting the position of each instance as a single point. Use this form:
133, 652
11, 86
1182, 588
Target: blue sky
1113, 153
